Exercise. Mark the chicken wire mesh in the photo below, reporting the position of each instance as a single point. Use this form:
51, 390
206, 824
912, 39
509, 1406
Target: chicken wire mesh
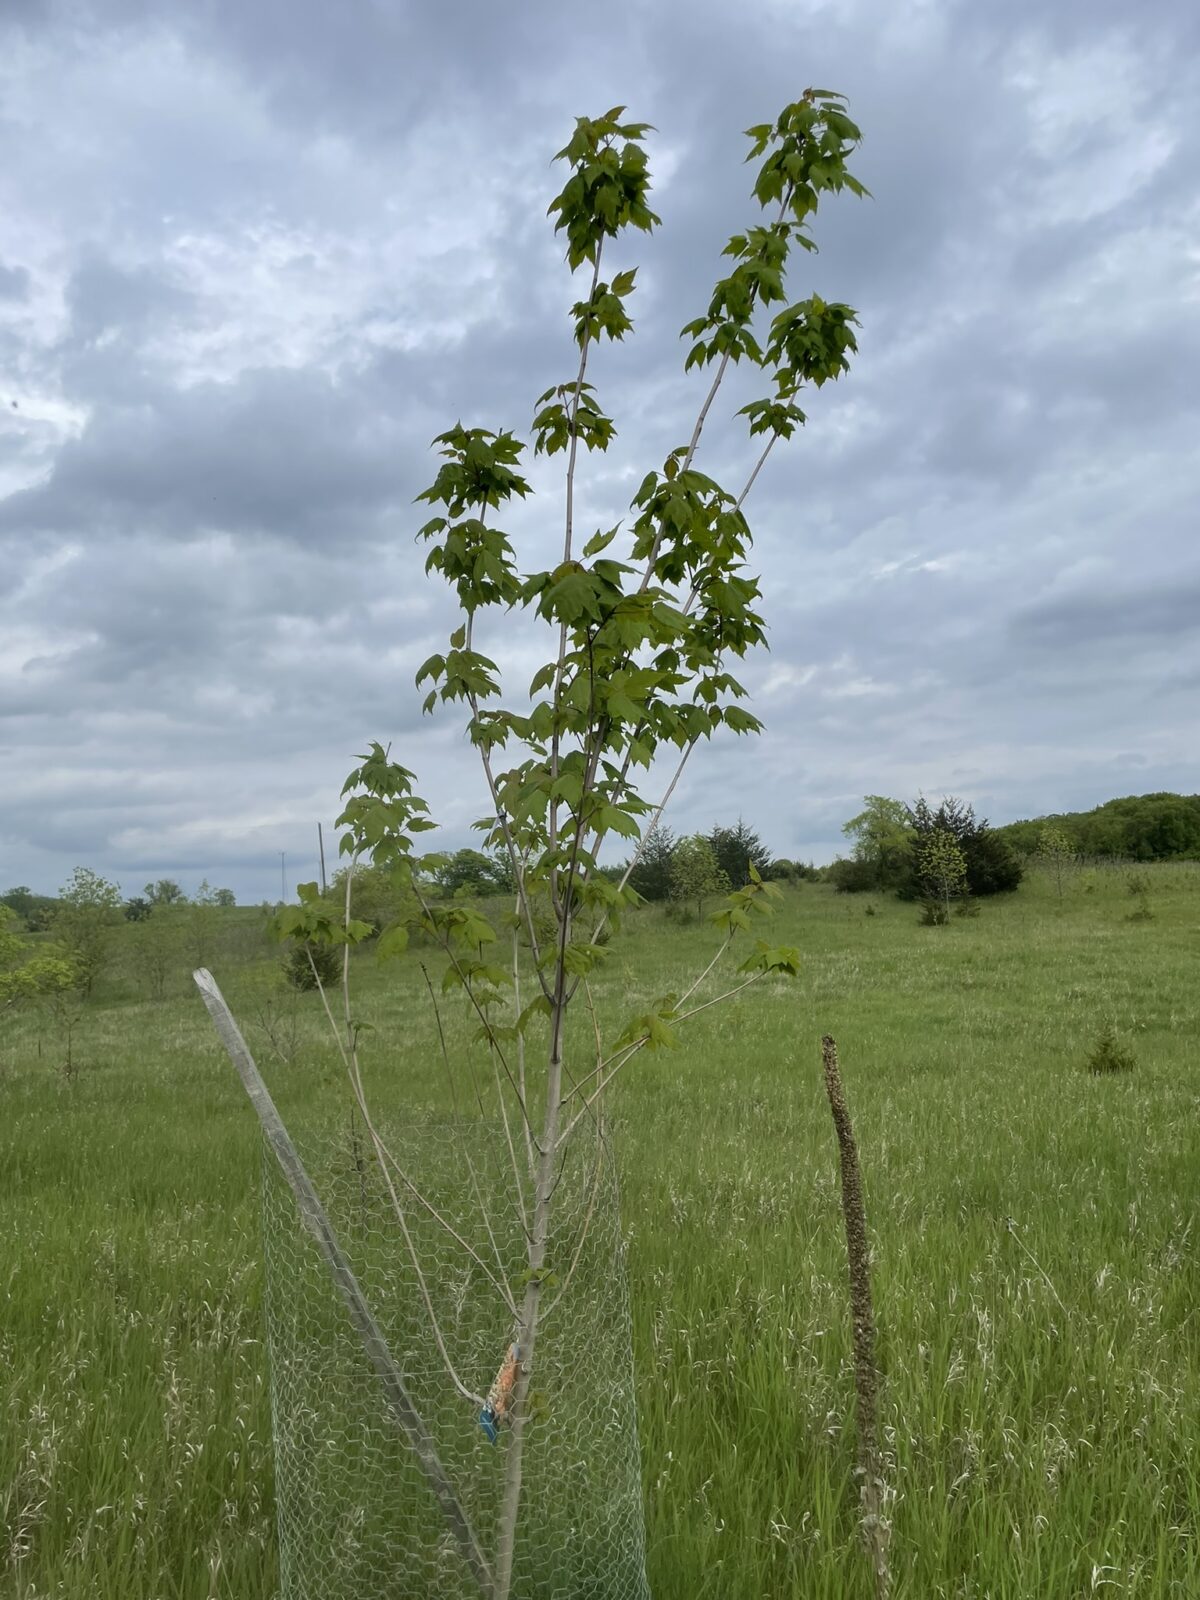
357, 1518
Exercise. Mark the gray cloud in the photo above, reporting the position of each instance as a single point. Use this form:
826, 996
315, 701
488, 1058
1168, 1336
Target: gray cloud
286, 454
14, 282
262, 256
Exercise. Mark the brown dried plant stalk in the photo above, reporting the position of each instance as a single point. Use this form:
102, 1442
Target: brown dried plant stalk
875, 1529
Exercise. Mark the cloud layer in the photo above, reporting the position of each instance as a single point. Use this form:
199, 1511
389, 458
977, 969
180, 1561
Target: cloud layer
253, 258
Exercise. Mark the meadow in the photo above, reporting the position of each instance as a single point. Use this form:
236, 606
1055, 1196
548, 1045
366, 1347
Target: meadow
1034, 1227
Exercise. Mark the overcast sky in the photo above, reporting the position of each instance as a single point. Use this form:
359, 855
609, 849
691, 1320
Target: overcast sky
253, 256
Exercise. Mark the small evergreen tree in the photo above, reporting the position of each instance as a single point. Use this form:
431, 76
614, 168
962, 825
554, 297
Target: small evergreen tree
651, 875
1107, 1056
992, 866
737, 849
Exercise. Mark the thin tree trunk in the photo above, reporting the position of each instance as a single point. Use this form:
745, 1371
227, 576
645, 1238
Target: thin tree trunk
531, 1310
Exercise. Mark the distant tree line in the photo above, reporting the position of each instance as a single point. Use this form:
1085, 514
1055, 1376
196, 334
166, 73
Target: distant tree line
921, 853
670, 867
1145, 827
80, 922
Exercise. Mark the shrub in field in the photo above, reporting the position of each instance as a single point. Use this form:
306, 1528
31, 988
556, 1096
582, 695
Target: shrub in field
31, 972
1057, 855
1107, 1056
696, 874
89, 907
311, 963
157, 946
849, 876
641, 626
1138, 885
941, 866
991, 864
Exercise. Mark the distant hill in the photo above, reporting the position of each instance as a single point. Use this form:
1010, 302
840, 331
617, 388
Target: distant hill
1141, 827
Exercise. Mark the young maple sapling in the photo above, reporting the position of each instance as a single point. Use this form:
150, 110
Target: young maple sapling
643, 625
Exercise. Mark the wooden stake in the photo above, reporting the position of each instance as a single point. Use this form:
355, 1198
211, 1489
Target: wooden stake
866, 1376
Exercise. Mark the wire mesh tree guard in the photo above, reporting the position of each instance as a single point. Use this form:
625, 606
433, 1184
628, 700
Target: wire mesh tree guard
388, 1483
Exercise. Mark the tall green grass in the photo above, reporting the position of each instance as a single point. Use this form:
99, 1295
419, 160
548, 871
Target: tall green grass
1037, 1259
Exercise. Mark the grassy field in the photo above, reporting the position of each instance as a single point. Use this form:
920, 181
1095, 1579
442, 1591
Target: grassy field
1035, 1228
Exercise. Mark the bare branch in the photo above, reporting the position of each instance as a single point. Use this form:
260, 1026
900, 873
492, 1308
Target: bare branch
612, 1066
516, 969
387, 1165
584, 1229
758, 466
466, 1155
479, 1011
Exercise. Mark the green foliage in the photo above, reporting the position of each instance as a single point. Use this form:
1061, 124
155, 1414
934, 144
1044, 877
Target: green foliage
379, 896
651, 875
165, 892
31, 972
1138, 886
157, 944
20, 899
882, 837
314, 920
308, 965
201, 916
36, 911
643, 631
1107, 1054
941, 866
992, 866
737, 849
1056, 854
1147, 827
696, 874
89, 906
849, 876
642, 626
137, 909
472, 872
137, 1205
